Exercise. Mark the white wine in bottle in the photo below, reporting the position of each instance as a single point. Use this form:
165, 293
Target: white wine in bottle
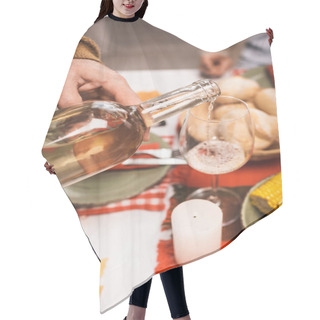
86, 139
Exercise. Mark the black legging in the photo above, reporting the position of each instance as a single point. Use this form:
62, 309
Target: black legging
172, 281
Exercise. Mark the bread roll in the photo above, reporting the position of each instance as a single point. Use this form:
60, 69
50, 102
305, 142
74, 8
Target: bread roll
218, 111
265, 100
238, 128
221, 110
238, 87
275, 129
260, 144
240, 131
251, 104
266, 126
201, 110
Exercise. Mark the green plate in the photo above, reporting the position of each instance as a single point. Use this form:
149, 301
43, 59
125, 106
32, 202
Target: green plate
249, 213
115, 185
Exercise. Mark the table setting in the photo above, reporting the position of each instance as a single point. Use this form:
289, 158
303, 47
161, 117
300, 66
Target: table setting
187, 192
137, 215
210, 169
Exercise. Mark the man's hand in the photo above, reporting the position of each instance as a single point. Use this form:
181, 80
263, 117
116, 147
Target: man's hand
90, 80
98, 81
214, 64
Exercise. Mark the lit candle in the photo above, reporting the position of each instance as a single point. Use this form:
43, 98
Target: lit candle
196, 229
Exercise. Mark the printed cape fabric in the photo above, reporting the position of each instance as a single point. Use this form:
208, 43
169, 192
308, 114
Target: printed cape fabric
125, 212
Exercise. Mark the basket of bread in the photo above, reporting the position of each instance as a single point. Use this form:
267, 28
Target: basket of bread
261, 103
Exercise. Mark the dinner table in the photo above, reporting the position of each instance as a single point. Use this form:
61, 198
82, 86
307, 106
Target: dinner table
126, 213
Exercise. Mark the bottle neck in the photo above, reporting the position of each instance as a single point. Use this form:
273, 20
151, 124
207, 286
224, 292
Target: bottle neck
174, 102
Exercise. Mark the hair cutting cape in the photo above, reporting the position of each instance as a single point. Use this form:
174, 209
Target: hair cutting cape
126, 211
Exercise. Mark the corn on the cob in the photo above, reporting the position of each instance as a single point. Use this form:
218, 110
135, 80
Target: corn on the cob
268, 196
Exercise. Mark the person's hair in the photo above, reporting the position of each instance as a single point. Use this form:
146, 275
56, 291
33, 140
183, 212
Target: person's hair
106, 7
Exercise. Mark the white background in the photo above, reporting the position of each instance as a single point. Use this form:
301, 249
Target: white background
48, 269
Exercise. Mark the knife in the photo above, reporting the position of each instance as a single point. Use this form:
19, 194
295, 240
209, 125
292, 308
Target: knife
161, 153
154, 161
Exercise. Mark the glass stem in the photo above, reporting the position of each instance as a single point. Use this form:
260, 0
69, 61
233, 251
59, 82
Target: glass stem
214, 186
214, 182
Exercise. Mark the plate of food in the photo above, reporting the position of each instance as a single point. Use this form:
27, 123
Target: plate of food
261, 200
115, 185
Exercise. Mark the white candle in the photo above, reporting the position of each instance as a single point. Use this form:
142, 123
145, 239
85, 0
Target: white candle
196, 229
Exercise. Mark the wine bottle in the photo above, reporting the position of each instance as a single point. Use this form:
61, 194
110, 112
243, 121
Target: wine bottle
89, 138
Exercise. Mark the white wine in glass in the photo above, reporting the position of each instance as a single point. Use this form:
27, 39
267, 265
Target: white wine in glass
217, 145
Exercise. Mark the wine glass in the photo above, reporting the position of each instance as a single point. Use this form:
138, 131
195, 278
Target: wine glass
218, 138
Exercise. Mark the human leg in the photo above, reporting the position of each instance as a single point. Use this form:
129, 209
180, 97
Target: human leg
172, 281
138, 302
